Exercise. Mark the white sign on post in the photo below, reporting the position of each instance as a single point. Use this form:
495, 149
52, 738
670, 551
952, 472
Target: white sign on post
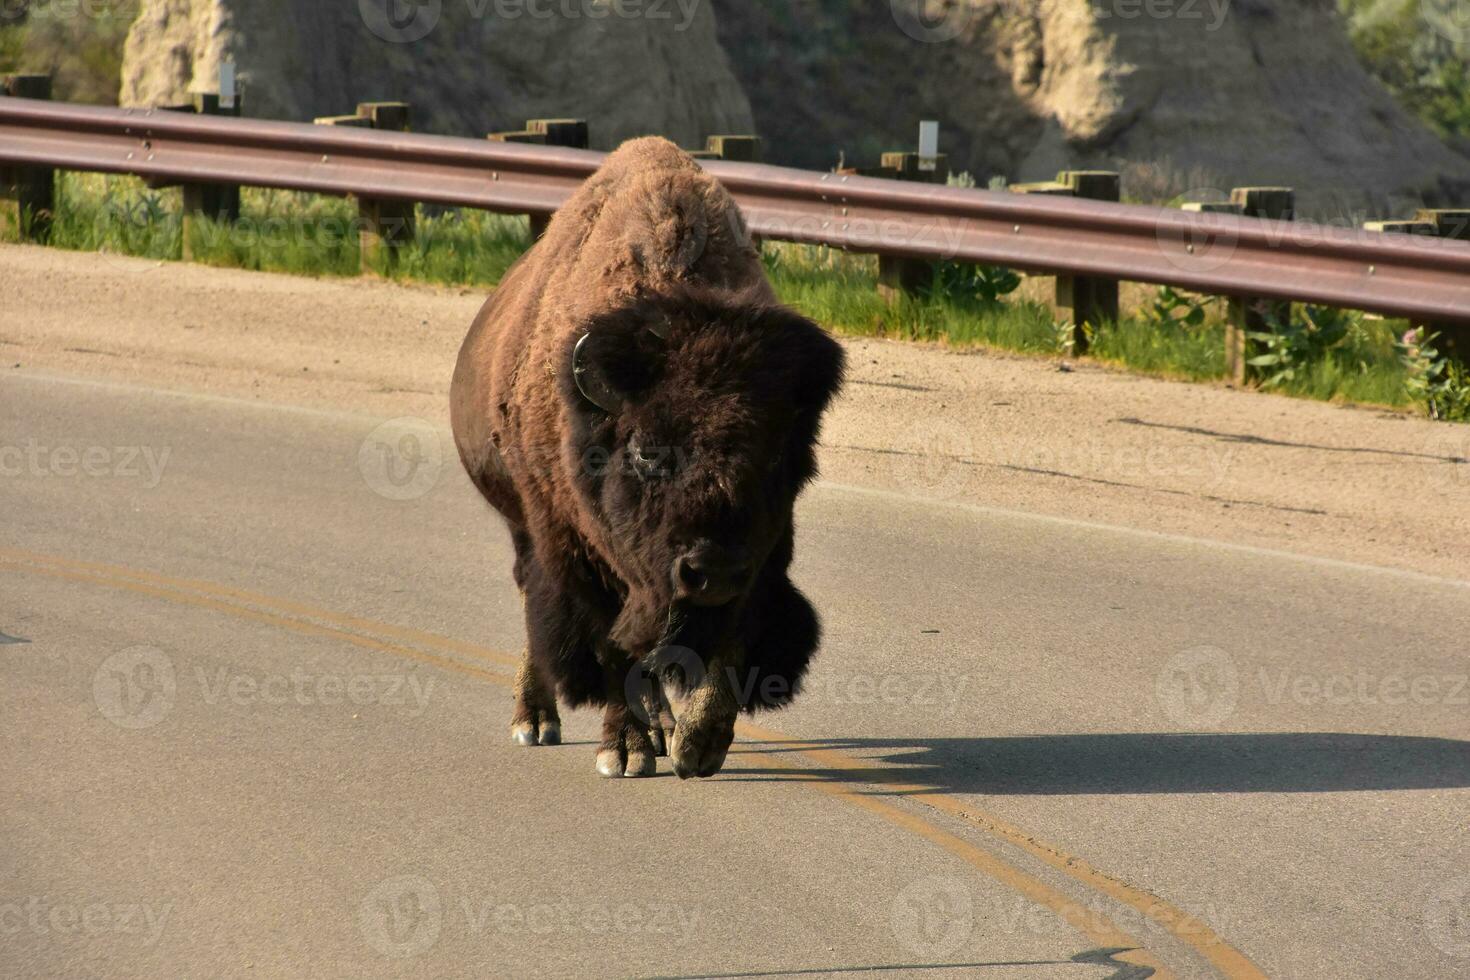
227, 85
928, 144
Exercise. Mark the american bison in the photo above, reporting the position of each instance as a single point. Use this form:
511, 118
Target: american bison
643, 413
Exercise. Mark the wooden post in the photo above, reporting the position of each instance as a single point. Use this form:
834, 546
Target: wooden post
744, 149
1454, 336
1448, 222
741, 149
1093, 301
216, 202
390, 116
27, 194
560, 132
385, 226
1246, 315
899, 275
547, 132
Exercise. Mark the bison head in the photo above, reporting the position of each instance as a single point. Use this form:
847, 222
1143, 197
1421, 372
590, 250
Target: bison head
694, 419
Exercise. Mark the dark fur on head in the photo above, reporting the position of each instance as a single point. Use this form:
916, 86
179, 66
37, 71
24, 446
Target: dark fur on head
722, 402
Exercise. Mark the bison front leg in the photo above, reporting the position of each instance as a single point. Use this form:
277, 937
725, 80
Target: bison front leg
706, 726
626, 748
534, 721
660, 718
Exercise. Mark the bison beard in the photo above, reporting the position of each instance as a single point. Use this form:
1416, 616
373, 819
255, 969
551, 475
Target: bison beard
643, 414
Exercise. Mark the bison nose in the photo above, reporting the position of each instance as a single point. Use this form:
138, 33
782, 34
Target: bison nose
710, 576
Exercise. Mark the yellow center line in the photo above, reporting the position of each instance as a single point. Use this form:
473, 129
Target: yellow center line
1190, 930
1228, 960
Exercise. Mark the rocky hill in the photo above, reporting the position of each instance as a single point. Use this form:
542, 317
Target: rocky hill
468, 67
1215, 94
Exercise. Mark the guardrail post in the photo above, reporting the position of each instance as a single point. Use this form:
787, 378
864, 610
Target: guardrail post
217, 202
390, 116
743, 149
27, 194
385, 226
547, 132
898, 275
1454, 336
1246, 315
1093, 301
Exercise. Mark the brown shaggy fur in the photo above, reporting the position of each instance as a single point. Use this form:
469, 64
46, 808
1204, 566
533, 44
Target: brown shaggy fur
721, 393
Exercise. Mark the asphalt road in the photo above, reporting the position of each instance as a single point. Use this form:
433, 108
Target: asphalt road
255, 724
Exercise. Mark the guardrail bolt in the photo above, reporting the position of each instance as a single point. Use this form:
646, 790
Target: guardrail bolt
27, 194
547, 132
215, 202
1452, 223
385, 227
1092, 301
897, 275
1245, 315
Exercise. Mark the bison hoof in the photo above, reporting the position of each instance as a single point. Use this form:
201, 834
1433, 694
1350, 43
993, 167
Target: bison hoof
700, 754
610, 764
526, 733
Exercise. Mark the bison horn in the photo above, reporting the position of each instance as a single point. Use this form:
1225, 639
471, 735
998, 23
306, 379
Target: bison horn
590, 381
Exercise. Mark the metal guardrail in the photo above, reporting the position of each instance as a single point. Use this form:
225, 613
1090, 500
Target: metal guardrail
1221, 254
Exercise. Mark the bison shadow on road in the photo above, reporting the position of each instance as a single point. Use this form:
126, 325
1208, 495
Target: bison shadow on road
1284, 762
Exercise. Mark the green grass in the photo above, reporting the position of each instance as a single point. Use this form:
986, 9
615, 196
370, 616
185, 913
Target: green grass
1164, 349
279, 231
841, 290
304, 234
